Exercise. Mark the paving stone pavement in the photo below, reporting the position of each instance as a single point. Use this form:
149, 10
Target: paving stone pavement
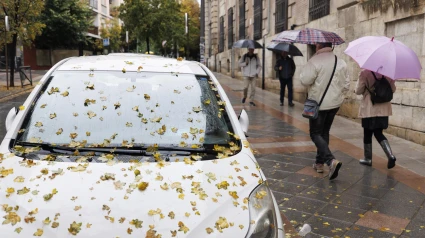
361, 202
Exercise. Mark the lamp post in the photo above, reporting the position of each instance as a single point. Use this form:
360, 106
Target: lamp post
6, 24
186, 19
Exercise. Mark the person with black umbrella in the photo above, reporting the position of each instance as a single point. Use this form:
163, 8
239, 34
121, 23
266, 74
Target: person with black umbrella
286, 68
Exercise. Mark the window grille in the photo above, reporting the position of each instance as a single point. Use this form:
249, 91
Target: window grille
281, 23
221, 42
318, 9
230, 28
258, 19
241, 19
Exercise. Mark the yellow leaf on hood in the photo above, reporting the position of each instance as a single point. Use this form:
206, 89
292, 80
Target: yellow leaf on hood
39, 232
12, 218
19, 179
21, 108
182, 227
142, 186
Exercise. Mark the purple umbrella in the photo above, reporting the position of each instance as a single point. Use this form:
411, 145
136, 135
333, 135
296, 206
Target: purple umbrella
309, 36
386, 56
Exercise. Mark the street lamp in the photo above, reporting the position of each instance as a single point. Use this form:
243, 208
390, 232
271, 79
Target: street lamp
186, 19
6, 26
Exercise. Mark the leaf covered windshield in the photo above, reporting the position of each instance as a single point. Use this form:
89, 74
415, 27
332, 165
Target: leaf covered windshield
116, 109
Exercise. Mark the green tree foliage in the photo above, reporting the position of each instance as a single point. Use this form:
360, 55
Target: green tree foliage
23, 20
66, 22
112, 30
193, 10
152, 19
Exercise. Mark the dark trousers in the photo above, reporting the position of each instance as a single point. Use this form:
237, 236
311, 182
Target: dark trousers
319, 133
367, 136
285, 83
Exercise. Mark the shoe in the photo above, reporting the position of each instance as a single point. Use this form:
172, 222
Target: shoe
281, 103
387, 149
334, 168
252, 103
243, 100
318, 167
367, 155
291, 104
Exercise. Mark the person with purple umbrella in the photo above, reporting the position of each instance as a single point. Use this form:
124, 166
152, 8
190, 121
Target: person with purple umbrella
375, 115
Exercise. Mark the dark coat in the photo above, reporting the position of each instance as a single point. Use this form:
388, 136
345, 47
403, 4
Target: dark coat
291, 68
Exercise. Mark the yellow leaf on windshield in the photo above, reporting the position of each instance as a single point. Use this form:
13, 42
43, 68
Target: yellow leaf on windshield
75, 228
23, 191
65, 94
91, 114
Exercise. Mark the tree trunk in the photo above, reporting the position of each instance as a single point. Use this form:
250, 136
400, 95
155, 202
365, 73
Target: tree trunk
12, 53
80, 49
175, 49
147, 42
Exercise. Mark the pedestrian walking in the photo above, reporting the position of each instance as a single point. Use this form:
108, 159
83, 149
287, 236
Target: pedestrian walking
375, 108
327, 80
286, 68
251, 66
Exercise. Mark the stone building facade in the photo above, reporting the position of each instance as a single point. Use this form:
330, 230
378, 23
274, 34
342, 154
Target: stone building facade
227, 21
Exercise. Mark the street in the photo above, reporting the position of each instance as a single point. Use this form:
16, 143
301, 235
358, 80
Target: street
5, 108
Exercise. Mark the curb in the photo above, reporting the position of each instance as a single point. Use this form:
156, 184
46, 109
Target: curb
18, 93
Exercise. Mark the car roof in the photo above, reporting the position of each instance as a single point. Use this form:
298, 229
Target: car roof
131, 63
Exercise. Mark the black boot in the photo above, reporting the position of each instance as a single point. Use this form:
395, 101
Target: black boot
387, 149
367, 155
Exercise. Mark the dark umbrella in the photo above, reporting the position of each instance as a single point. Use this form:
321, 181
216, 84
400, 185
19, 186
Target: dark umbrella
245, 43
291, 49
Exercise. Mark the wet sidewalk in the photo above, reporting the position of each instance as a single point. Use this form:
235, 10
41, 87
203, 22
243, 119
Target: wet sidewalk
362, 201
6, 94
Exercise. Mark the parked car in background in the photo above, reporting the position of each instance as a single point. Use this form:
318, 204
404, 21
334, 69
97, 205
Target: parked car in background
119, 146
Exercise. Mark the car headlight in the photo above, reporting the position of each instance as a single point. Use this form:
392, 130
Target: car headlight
262, 213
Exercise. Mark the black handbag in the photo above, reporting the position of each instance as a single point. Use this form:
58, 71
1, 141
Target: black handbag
311, 107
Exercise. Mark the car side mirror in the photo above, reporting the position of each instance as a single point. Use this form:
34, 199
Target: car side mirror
244, 121
11, 117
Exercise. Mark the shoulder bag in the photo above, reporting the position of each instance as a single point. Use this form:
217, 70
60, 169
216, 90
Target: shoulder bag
311, 107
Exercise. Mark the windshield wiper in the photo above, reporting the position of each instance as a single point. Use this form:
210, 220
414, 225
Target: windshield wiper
60, 149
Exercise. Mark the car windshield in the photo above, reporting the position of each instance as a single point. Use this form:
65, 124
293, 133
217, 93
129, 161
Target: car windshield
126, 109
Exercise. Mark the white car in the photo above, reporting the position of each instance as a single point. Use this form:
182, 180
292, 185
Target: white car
116, 146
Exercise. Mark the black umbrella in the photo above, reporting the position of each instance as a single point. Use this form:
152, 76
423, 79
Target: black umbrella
291, 49
245, 43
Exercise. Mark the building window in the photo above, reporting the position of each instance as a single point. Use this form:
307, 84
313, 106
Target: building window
258, 19
318, 9
230, 28
281, 23
221, 43
241, 19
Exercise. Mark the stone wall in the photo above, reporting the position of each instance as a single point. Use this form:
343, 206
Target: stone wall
351, 19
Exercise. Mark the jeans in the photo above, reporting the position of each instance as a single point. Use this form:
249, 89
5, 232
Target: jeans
319, 133
249, 81
283, 83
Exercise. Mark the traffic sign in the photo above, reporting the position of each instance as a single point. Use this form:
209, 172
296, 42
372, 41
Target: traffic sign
106, 42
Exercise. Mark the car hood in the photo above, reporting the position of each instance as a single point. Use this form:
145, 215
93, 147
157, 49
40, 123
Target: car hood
109, 200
